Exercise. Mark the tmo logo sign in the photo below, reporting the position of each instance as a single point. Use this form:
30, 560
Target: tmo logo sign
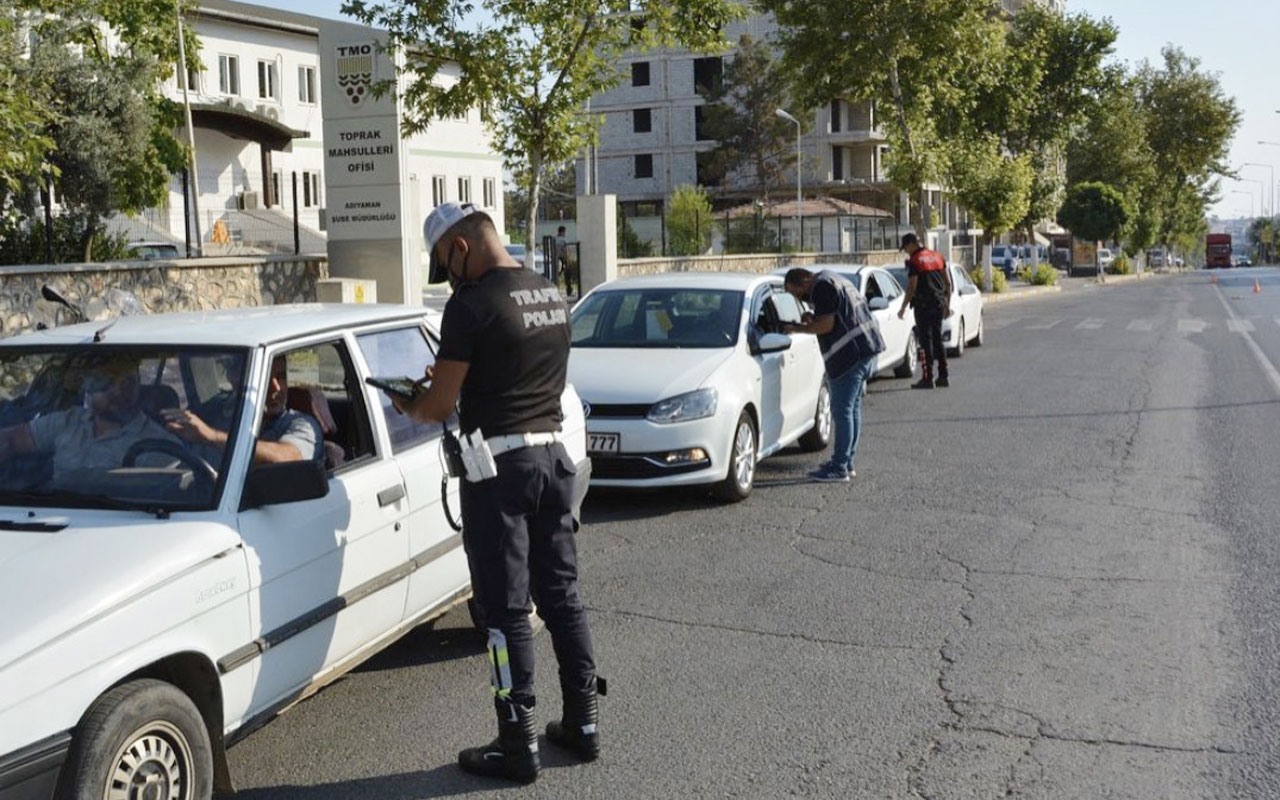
356, 68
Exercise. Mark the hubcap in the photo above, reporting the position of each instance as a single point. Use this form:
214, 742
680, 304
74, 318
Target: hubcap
744, 455
824, 414
154, 764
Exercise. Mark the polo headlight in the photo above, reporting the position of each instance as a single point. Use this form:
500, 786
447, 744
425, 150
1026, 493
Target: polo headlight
684, 407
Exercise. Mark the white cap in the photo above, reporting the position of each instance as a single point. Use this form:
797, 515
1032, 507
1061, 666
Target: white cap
438, 223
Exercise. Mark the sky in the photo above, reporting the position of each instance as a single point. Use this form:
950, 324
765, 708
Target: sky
1237, 39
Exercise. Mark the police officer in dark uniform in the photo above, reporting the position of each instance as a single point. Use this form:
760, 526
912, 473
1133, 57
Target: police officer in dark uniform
505, 350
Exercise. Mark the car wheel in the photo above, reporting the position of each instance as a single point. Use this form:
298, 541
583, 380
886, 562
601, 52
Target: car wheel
819, 436
144, 739
980, 337
907, 369
742, 462
958, 350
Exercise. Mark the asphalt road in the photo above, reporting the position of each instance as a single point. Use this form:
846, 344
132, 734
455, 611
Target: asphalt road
1057, 579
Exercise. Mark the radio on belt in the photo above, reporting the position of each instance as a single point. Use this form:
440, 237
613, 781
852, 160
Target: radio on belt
477, 458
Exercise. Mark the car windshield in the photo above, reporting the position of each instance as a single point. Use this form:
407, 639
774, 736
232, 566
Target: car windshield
899, 274
658, 317
84, 426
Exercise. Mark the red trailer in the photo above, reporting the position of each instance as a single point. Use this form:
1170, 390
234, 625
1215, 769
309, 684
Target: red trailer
1217, 251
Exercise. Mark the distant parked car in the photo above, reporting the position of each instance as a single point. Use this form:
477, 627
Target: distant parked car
151, 251
518, 251
1005, 258
1155, 258
1106, 258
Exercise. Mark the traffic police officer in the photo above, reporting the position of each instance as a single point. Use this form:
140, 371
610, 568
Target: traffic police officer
505, 351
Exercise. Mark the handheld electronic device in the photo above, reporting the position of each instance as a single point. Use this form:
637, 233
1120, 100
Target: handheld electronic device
404, 388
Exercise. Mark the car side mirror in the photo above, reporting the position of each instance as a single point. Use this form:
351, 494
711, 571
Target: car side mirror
772, 343
878, 303
290, 482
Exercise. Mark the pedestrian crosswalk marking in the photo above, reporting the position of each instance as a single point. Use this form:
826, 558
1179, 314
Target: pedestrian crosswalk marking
1090, 324
1043, 326
1192, 325
1141, 325
1240, 326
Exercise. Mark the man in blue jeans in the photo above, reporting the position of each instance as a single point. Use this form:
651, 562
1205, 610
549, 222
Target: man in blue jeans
850, 340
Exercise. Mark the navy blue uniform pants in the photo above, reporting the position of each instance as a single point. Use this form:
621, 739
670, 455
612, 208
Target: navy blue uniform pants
518, 534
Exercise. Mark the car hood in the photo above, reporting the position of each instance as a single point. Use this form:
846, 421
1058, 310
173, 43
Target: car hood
641, 375
60, 581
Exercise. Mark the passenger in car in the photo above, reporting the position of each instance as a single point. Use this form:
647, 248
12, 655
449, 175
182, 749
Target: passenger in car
96, 434
285, 434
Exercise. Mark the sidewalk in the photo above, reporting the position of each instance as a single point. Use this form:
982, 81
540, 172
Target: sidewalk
1021, 291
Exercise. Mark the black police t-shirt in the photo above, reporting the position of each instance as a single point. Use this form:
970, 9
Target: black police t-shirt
512, 328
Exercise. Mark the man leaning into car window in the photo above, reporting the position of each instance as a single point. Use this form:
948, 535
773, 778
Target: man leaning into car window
286, 435
96, 434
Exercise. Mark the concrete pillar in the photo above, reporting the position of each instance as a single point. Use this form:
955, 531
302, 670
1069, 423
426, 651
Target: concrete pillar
597, 239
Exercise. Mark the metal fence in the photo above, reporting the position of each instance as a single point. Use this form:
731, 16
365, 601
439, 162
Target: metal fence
717, 234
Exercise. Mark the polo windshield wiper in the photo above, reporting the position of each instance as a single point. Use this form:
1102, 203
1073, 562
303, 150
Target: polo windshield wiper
53, 497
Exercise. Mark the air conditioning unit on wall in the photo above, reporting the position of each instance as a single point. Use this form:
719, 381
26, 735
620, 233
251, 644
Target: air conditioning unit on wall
248, 200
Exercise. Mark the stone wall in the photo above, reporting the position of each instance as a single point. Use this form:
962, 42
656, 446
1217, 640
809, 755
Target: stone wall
760, 263
105, 289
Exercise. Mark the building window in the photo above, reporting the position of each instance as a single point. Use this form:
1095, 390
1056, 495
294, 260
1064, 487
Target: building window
438, 196
835, 116
268, 81
307, 85
193, 79
707, 73
837, 163
644, 165
229, 74
277, 188
310, 189
640, 73
641, 120
700, 122
490, 193
464, 190
708, 169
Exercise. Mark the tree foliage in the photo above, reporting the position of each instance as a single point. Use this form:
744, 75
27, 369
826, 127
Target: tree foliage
688, 221
531, 66
23, 142
993, 184
741, 115
1095, 212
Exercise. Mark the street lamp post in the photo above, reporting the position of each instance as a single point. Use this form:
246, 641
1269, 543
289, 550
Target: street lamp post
799, 190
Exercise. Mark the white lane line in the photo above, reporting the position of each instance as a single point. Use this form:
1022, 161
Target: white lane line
1141, 325
1090, 324
1043, 326
1268, 368
1192, 325
1240, 326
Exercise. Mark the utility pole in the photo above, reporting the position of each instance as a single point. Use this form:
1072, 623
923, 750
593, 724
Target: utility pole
183, 78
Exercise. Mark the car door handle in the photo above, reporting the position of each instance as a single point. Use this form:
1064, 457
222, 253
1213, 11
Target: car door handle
391, 494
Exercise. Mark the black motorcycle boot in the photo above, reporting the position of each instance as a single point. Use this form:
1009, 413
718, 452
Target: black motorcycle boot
944, 378
926, 380
513, 756
578, 731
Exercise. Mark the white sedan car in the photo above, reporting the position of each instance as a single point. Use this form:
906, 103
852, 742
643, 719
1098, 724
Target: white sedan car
964, 327
884, 296
687, 379
162, 599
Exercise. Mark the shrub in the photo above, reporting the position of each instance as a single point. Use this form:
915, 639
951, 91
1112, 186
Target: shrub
688, 221
1024, 274
998, 282
1045, 276
1121, 266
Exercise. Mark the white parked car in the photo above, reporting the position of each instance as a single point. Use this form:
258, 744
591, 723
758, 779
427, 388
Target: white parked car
161, 599
687, 379
1106, 258
964, 328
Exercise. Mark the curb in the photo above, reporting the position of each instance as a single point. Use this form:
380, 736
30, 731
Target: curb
1008, 297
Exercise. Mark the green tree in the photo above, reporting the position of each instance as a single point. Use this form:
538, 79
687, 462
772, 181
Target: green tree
741, 115
688, 221
994, 185
914, 59
1095, 212
1190, 122
23, 143
531, 66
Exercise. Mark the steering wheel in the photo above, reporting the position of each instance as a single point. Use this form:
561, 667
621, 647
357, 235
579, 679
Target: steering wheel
202, 469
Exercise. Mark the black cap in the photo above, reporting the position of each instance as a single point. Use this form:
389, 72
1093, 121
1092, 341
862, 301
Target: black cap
909, 238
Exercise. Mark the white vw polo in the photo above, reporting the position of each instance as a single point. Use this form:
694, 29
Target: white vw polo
687, 379
161, 598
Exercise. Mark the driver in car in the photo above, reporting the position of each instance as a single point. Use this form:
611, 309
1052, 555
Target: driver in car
97, 434
286, 435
